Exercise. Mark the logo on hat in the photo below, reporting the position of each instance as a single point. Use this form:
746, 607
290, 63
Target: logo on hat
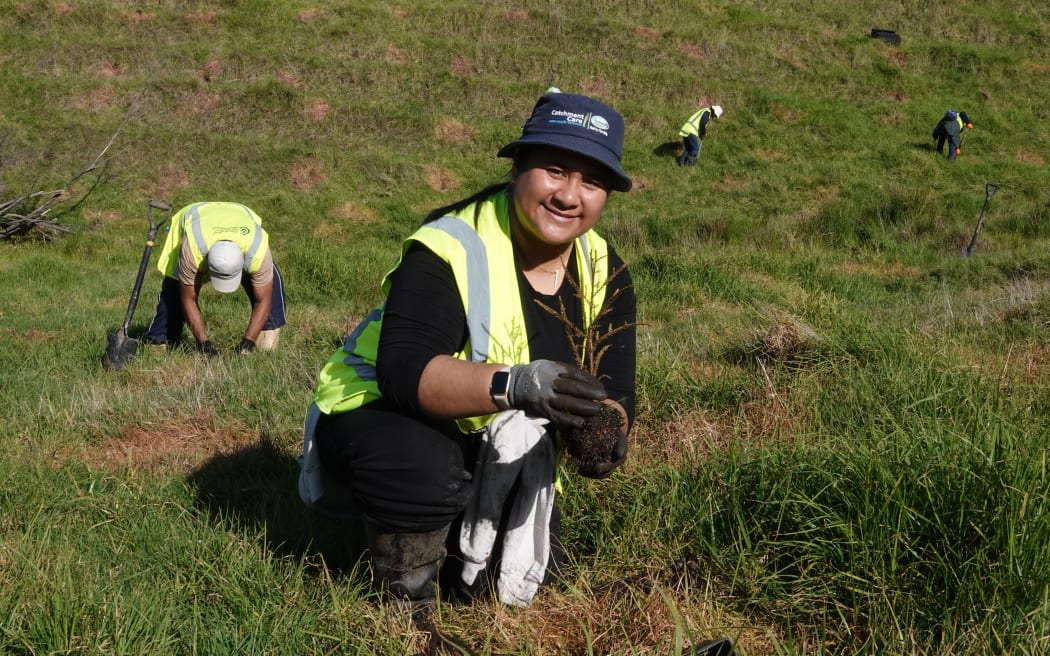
579, 124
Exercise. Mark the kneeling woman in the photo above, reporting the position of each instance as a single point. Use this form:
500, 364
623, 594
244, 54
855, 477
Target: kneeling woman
445, 411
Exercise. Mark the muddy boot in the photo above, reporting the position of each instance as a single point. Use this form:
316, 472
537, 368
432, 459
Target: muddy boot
406, 566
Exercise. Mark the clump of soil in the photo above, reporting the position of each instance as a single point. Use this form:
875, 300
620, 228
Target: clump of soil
593, 443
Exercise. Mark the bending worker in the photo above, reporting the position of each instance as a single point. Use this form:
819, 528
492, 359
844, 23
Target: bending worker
219, 242
442, 414
693, 132
949, 129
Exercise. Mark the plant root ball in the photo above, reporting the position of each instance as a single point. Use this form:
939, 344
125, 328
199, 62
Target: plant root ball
593, 443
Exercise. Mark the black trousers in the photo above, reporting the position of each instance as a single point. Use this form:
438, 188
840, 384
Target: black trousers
409, 474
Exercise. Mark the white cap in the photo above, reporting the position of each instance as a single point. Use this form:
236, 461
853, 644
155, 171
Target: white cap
225, 264
717, 109
552, 90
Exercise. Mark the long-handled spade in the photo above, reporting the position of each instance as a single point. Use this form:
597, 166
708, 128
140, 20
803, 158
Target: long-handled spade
989, 190
120, 348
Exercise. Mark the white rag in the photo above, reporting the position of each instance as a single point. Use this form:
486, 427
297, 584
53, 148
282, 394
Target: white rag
513, 443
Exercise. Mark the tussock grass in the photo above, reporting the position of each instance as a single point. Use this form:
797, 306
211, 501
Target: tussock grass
842, 434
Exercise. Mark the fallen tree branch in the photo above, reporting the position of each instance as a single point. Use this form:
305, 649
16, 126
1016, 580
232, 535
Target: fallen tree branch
29, 214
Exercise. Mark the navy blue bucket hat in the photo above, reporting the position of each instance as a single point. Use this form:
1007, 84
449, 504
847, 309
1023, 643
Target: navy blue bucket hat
577, 123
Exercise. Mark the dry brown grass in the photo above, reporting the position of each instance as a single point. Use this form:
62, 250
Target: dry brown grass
210, 17
306, 174
316, 109
441, 179
647, 33
637, 615
197, 103
172, 446
462, 66
211, 70
310, 15
450, 130
1028, 157
171, 178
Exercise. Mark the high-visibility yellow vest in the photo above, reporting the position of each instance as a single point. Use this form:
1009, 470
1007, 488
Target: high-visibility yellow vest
208, 222
476, 244
692, 125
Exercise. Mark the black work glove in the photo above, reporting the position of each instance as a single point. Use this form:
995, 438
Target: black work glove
245, 347
605, 469
557, 391
207, 349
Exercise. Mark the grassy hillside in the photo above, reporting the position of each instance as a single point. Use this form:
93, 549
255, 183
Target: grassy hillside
843, 431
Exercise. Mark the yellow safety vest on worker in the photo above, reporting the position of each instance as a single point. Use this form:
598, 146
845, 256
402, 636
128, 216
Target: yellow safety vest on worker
692, 126
208, 222
476, 244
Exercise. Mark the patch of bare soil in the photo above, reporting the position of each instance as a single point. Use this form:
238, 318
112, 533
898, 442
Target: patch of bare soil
786, 114
595, 87
316, 109
310, 15
449, 130
111, 69
463, 67
646, 33
441, 179
516, 15
210, 71
32, 334
1028, 157
355, 213
203, 18
290, 79
177, 446
197, 103
171, 179
691, 51
62, 8
93, 100
732, 184
306, 174
395, 55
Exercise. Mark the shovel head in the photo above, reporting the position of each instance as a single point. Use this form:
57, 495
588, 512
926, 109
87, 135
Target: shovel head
717, 647
120, 350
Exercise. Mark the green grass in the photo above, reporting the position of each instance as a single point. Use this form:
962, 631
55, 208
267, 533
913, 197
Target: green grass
843, 428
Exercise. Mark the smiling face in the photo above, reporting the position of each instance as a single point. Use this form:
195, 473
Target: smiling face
558, 195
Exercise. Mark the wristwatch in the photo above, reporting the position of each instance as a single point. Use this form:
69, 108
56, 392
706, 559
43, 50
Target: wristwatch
499, 388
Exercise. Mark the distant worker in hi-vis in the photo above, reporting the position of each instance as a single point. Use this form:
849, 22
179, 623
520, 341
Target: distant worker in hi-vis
217, 242
693, 132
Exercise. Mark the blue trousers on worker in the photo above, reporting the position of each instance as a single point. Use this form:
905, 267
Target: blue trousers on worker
691, 150
169, 319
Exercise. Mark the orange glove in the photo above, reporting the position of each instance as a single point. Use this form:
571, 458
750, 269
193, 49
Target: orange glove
969, 126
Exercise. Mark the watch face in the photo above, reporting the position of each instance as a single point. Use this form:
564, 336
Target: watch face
498, 386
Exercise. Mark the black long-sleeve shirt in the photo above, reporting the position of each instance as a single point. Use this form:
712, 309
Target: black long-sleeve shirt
424, 318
